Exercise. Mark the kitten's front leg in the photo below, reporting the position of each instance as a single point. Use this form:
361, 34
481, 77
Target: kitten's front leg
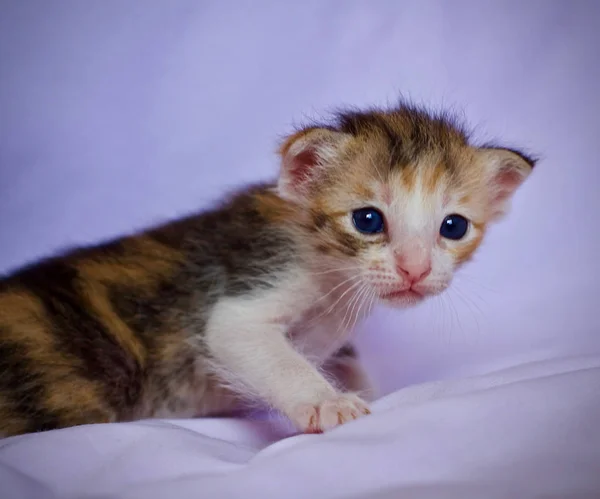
254, 356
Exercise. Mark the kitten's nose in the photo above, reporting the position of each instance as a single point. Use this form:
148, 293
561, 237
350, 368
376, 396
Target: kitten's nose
414, 271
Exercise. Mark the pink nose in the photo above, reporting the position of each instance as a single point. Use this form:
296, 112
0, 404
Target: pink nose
413, 271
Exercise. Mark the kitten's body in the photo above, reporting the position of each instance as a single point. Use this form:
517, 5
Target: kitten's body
117, 331
253, 299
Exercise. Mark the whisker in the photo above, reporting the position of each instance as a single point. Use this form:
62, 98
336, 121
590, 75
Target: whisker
352, 287
344, 328
372, 302
481, 299
336, 269
446, 324
335, 287
474, 281
350, 303
470, 304
362, 311
327, 311
437, 313
361, 294
456, 315
450, 315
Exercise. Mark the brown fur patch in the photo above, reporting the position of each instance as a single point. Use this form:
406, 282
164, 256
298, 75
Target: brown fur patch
362, 191
274, 208
49, 384
70, 391
324, 249
407, 131
408, 177
143, 266
97, 296
346, 351
344, 242
320, 220
465, 199
144, 262
22, 308
11, 423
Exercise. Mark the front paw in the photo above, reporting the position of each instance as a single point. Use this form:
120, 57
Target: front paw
334, 411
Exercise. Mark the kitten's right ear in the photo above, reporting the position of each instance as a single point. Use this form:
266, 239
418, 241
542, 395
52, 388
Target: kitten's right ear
306, 157
504, 170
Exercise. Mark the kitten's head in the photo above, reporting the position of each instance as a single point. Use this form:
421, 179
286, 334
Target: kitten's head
398, 198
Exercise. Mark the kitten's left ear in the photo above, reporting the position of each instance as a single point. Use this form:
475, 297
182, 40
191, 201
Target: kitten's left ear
307, 158
505, 170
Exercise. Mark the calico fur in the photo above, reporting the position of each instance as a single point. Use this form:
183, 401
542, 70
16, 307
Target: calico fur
256, 298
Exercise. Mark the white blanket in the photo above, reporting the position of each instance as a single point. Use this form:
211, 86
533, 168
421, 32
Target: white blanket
524, 433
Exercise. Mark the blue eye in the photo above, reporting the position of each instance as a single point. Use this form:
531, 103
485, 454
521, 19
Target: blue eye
368, 220
454, 227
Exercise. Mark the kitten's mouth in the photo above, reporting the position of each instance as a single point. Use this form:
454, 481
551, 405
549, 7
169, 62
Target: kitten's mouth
404, 294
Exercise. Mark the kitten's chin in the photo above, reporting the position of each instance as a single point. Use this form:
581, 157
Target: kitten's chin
402, 299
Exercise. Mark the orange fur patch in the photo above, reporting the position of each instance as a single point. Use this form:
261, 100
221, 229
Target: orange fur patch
275, 208
23, 309
463, 252
433, 179
145, 264
23, 321
408, 177
96, 295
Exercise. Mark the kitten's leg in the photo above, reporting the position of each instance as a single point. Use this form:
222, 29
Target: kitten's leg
253, 355
347, 373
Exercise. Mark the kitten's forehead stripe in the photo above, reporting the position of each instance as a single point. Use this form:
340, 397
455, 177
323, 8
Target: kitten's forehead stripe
406, 133
465, 199
433, 179
408, 178
362, 191
361, 123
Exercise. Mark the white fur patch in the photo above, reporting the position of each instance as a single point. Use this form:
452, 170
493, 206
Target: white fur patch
252, 352
269, 344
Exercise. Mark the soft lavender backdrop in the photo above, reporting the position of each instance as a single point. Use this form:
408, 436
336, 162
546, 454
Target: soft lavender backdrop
114, 115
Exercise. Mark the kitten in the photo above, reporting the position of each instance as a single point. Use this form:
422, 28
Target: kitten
255, 299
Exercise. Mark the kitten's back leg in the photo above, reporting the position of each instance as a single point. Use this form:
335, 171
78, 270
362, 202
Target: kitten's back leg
42, 387
347, 373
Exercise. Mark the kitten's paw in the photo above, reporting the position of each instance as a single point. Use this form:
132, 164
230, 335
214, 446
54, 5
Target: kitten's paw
335, 411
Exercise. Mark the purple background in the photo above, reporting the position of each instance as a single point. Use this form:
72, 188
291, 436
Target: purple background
115, 115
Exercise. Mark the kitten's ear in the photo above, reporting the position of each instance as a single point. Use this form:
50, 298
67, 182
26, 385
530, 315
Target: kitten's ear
505, 171
306, 157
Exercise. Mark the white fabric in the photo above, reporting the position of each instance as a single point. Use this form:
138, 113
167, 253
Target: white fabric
523, 433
